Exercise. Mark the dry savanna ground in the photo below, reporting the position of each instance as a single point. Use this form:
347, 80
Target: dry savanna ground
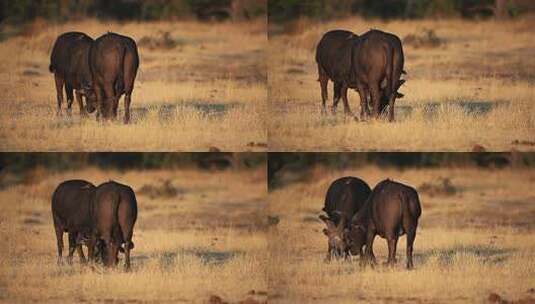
199, 86
475, 241
468, 83
199, 235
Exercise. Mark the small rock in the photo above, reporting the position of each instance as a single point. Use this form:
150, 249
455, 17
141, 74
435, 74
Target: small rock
216, 300
478, 148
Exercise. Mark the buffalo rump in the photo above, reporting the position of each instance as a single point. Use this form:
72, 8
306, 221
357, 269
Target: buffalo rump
378, 57
71, 213
391, 210
69, 62
114, 61
114, 215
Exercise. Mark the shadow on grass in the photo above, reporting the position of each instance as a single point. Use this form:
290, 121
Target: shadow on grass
171, 258
432, 109
486, 254
167, 112
164, 112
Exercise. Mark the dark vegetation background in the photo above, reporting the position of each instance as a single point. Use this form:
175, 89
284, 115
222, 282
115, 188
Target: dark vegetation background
287, 10
19, 163
18, 11
302, 163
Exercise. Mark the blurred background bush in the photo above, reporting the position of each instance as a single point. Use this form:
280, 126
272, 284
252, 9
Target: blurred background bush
16, 163
303, 162
18, 11
286, 10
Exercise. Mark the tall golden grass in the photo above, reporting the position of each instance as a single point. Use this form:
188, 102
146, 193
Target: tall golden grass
476, 88
469, 244
204, 73
206, 240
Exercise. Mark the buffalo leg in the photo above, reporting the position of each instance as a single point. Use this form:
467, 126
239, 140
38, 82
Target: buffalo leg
392, 243
80, 250
72, 246
70, 98
116, 105
411, 235
323, 79
343, 92
391, 107
109, 97
127, 256
337, 90
376, 99
369, 245
80, 104
100, 101
91, 252
59, 237
364, 110
127, 100
127, 231
59, 91
110, 257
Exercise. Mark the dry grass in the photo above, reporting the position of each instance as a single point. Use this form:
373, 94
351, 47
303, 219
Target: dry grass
208, 239
477, 87
205, 92
469, 244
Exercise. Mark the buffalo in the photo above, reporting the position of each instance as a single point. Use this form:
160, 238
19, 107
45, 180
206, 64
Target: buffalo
114, 215
71, 213
113, 60
345, 197
333, 57
392, 209
363, 63
69, 62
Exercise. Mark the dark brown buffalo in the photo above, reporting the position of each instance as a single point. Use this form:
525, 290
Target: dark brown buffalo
392, 209
363, 63
333, 57
114, 61
69, 62
378, 57
114, 215
344, 198
71, 213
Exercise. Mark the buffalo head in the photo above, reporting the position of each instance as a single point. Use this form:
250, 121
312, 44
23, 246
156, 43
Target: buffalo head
90, 97
337, 237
